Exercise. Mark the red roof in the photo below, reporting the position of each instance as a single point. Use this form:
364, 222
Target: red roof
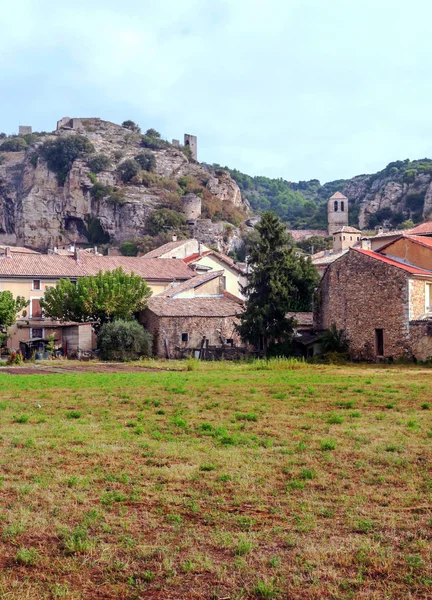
218, 255
422, 229
392, 262
421, 239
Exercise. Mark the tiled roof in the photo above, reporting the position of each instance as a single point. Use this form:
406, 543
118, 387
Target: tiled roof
190, 284
54, 266
337, 196
157, 252
421, 239
347, 229
422, 229
218, 255
222, 306
302, 318
323, 258
393, 262
17, 249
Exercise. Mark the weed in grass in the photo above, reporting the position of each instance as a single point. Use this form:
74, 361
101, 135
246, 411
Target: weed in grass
3, 405
347, 405
207, 467
73, 414
355, 414
243, 547
364, 526
425, 406
275, 561
246, 417
295, 484
27, 556
178, 422
412, 424
328, 445
307, 474
21, 419
335, 419
393, 448
76, 541
390, 405
225, 478
174, 519
265, 590
110, 497
245, 522
12, 531
160, 411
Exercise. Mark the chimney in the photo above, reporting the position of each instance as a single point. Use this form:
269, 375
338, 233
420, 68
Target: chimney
8, 253
199, 248
380, 230
174, 237
366, 244
95, 250
77, 253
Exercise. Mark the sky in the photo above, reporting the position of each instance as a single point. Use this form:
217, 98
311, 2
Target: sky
297, 89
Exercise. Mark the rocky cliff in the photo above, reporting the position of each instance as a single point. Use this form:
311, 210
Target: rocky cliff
41, 210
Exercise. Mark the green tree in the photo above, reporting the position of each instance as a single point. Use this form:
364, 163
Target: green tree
153, 133
164, 219
99, 191
9, 309
132, 126
98, 163
278, 282
129, 249
15, 144
128, 169
61, 153
146, 160
105, 297
334, 340
124, 340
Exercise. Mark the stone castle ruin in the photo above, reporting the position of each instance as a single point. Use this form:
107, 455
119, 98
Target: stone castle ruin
191, 207
24, 129
191, 142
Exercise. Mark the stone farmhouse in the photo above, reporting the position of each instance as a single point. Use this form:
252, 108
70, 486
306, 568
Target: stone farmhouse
194, 318
382, 300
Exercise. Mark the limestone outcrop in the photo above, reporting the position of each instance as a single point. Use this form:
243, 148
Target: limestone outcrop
37, 211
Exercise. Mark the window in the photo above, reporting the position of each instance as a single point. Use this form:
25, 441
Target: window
344, 238
334, 238
428, 298
230, 342
185, 337
36, 332
223, 282
379, 342
36, 284
335, 205
342, 205
350, 238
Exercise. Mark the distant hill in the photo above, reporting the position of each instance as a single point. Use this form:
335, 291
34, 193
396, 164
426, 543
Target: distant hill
401, 191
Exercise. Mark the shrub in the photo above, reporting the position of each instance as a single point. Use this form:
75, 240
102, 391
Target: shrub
132, 126
129, 249
146, 160
128, 169
116, 196
98, 163
61, 153
124, 340
153, 133
16, 144
163, 219
153, 143
99, 191
2, 159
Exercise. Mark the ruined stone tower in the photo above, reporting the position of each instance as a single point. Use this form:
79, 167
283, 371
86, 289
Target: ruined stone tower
191, 141
337, 212
191, 207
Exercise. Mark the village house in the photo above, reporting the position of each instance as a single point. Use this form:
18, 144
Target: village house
30, 274
380, 300
202, 259
195, 318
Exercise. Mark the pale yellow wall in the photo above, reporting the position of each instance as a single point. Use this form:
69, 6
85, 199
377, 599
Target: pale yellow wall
210, 288
343, 241
233, 277
187, 249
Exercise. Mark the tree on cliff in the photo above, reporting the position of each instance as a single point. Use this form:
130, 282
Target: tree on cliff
102, 298
278, 282
61, 153
9, 309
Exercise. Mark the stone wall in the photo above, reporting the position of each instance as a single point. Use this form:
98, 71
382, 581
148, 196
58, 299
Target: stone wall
171, 329
421, 340
417, 298
360, 294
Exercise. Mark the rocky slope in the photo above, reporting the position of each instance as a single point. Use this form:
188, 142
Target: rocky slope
401, 191
37, 211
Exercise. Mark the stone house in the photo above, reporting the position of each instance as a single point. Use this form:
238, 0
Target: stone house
194, 318
180, 249
29, 275
380, 302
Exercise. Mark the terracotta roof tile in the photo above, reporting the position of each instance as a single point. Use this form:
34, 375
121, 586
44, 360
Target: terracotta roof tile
54, 266
222, 306
157, 252
337, 196
392, 262
423, 228
347, 229
17, 249
302, 318
190, 284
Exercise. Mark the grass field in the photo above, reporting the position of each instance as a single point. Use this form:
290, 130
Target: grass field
228, 481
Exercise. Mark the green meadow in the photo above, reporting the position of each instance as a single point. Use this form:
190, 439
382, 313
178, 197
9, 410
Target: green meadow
224, 481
